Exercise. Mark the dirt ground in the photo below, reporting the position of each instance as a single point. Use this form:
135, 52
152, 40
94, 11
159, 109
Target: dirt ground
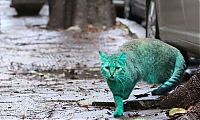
46, 74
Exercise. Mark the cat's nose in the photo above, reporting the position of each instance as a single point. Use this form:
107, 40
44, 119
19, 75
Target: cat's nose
112, 76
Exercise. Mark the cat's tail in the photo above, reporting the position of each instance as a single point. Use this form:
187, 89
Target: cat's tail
175, 78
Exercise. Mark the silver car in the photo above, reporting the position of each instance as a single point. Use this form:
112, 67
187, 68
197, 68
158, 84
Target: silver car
175, 22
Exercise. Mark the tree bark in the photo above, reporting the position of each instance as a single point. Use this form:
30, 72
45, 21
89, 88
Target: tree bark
66, 13
56, 13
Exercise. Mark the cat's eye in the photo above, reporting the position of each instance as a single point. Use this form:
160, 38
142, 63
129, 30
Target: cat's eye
117, 68
107, 67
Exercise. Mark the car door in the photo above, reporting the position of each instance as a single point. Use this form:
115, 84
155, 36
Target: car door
171, 20
191, 9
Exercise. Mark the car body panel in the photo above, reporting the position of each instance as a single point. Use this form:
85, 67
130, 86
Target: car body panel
191, 9
179, 24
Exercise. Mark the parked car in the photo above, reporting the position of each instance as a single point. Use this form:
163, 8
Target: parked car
27, 7
176, 22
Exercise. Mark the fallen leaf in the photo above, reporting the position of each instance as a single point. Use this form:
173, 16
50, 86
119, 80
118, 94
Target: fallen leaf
175, 111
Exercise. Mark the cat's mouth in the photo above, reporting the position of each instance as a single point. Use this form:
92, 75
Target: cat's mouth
112, 78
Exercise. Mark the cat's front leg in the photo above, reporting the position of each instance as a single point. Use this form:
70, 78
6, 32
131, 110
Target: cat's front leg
119, 106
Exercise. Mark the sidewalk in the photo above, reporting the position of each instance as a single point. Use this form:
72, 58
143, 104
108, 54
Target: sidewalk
54, 74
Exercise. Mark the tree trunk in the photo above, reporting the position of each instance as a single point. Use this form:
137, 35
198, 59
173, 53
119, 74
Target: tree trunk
66, 13
56, 13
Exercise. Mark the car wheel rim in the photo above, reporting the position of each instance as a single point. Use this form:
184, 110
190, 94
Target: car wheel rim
151, 26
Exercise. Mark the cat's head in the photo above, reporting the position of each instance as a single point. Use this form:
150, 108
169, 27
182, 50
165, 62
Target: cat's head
112, 66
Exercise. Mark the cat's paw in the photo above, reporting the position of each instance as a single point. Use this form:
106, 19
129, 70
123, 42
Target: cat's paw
159, 91
154, 92
118, 113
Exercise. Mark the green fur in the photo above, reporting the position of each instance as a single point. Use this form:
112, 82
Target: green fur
149, 60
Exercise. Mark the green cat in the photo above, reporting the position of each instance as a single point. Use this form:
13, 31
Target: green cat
149, 60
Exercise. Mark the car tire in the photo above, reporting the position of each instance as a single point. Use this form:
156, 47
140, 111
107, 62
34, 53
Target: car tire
26, 11
152, 30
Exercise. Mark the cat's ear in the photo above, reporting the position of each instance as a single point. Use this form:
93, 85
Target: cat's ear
122, 57
102, 56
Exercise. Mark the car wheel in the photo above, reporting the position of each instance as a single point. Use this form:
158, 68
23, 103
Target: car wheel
151, 20
27, 11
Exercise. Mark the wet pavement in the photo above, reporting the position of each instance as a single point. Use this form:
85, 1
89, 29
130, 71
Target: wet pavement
46, 74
